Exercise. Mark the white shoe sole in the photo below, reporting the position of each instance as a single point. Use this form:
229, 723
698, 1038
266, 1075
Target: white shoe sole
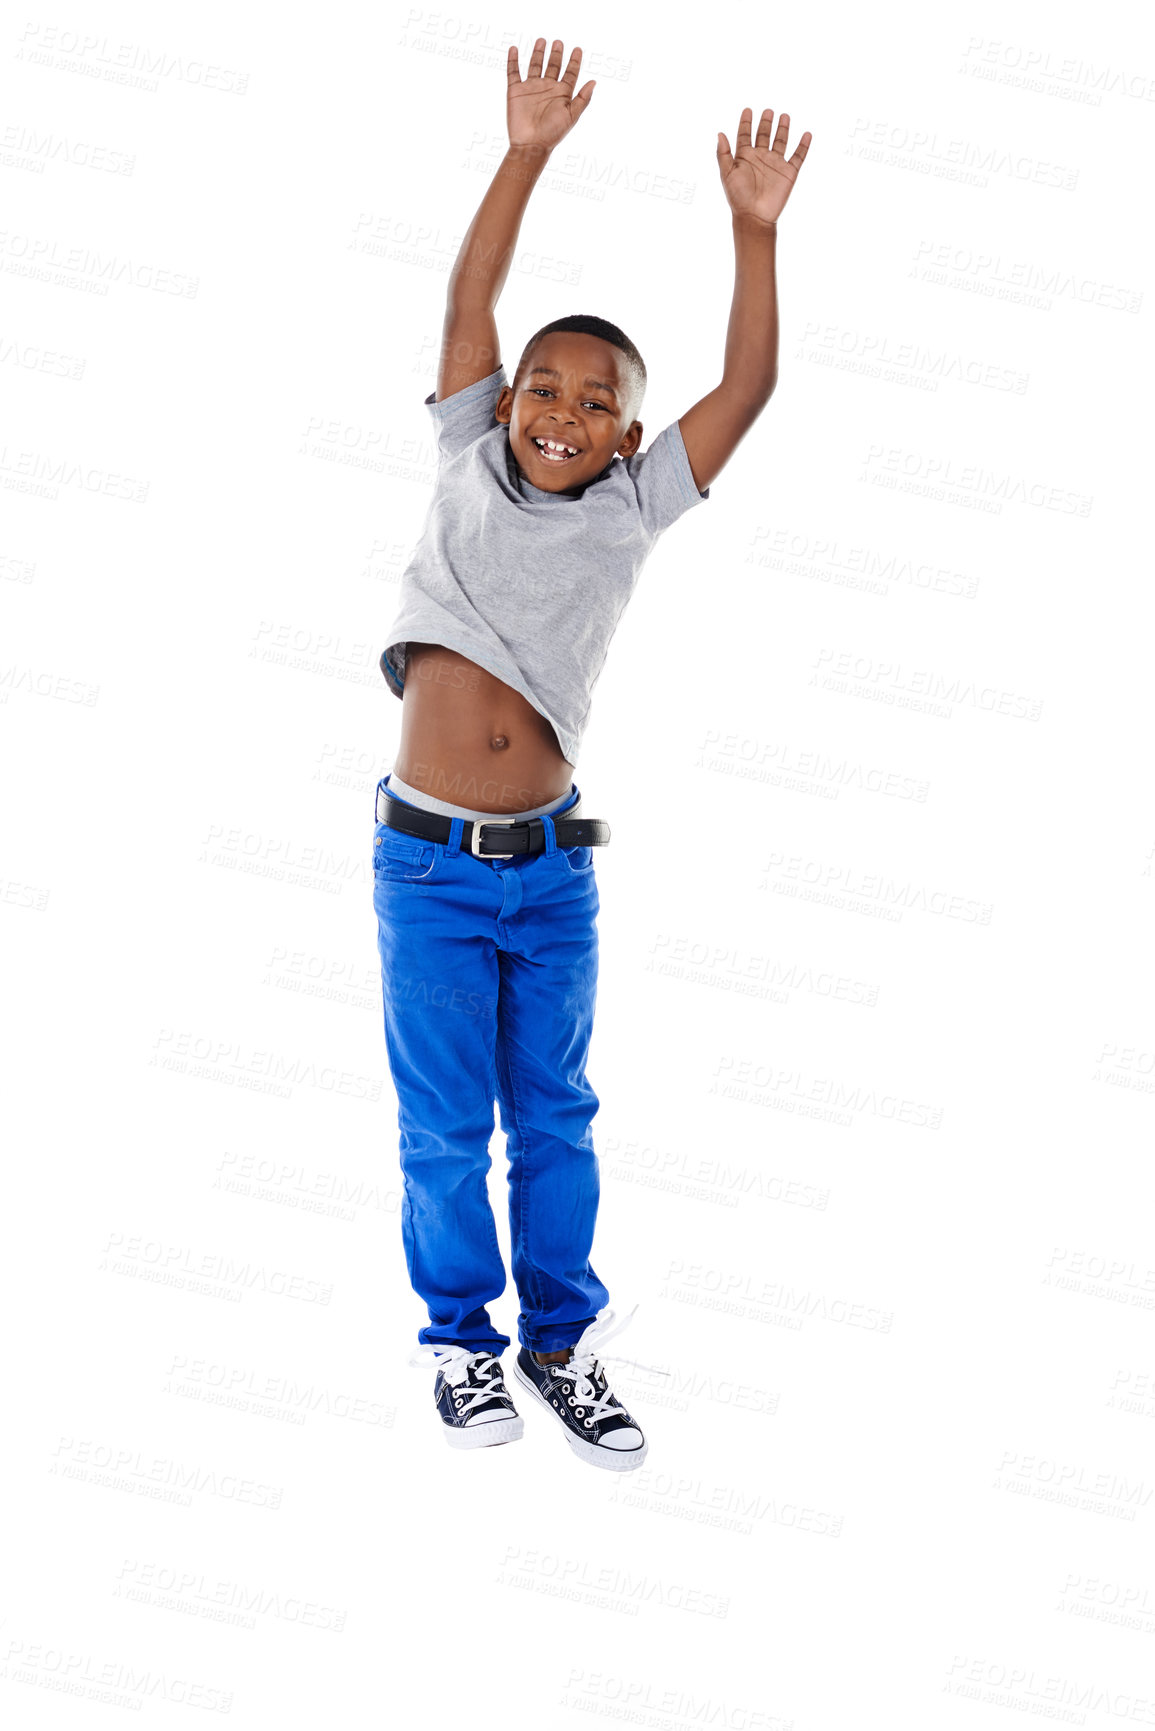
486, 1435
613, 1460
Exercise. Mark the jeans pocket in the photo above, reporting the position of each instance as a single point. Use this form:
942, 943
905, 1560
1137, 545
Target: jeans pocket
403, 859
578, 859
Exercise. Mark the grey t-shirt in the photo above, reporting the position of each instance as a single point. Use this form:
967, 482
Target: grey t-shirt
527, 583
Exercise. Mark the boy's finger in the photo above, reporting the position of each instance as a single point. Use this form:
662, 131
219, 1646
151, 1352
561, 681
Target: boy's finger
780, 135
511, 72
801, 148
742, 136
554, 66
536, 58
763, 138
580, 102
724, 157
569, 76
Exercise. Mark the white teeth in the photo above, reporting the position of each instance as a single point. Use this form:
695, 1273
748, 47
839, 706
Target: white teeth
556, 452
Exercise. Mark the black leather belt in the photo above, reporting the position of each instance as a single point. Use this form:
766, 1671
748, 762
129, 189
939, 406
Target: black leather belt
502, 837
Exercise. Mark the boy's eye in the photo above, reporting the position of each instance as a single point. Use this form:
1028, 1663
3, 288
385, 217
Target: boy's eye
544, 390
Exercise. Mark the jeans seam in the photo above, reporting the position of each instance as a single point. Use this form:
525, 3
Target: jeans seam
491, 1222
523, 1186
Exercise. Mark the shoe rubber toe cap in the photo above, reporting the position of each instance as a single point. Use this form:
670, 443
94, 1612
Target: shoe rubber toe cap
622, 1439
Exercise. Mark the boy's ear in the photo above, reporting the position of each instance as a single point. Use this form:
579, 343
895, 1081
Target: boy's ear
503, 408
631, 439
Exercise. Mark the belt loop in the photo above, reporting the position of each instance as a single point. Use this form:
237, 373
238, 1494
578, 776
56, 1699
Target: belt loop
550, 836
453, 845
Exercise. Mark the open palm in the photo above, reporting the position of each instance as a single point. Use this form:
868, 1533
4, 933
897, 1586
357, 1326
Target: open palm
758, 178
541, 107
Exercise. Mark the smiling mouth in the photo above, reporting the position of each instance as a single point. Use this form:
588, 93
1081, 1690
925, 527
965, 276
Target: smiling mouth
554, 451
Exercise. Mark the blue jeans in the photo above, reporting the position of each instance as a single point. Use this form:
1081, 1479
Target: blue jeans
489, 980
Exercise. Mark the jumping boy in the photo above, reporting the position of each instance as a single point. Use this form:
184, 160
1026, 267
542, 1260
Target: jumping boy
544, 512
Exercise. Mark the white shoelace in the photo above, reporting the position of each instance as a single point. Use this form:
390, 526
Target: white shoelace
583, 1361
454, 1362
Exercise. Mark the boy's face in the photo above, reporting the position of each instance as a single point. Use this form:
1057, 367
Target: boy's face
574, 390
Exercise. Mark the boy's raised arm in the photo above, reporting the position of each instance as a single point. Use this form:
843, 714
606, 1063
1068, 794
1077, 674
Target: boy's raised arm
757, 181
540, 109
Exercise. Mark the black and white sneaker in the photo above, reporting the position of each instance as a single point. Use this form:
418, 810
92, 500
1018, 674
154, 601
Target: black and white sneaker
597, 1426
475, 1408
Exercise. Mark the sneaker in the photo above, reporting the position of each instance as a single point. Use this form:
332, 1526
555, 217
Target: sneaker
597, 1426
476, 1411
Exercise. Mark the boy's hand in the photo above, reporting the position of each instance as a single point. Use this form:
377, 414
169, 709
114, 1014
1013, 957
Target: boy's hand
539, 110
757, 179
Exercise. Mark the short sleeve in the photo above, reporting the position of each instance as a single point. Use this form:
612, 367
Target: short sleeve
460, 419
663, 480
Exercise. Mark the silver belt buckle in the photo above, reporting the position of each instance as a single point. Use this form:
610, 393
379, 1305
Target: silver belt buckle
475, 837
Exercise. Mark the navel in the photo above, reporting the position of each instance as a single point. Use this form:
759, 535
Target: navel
499, 742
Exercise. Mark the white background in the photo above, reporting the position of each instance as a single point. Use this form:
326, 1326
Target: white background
874, 1046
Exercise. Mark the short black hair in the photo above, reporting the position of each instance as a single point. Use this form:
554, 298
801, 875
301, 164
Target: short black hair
590, 325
